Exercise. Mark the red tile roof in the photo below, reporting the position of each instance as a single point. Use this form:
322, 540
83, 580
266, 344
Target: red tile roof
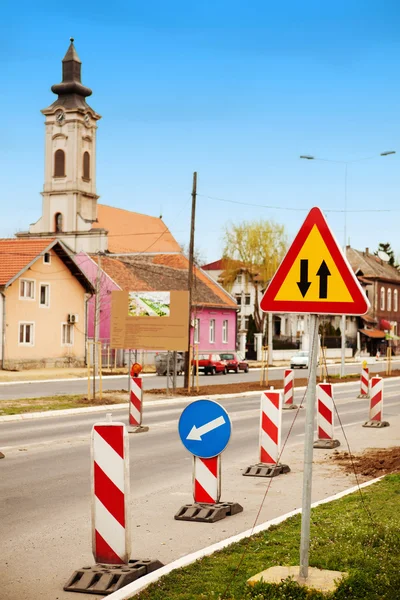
164, 272
133, 232
373, 333
17, 254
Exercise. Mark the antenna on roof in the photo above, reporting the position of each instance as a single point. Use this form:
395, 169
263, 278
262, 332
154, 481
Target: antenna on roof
383, 256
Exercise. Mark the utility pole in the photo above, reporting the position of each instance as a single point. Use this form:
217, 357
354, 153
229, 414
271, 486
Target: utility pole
96, 325
190, 278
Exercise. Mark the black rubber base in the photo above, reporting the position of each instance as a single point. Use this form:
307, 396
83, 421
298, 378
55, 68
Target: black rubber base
363, 396
208, 513
106, 579
263, 470
290, 406
326, 444
138, 429
376, 424
2, 455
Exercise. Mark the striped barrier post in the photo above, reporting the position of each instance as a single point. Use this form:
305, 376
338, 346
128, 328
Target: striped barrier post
207, 479
270, 437
136, 400
110, 497
325, 417
288, 389
364, 383
111, 544
376, 404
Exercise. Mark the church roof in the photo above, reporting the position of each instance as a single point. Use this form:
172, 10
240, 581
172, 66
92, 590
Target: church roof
165, 272
130, 232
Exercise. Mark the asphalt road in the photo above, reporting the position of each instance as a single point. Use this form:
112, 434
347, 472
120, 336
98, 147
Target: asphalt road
45, 486
35, 389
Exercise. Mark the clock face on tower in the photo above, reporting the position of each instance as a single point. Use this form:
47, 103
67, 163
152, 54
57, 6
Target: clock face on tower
60, 116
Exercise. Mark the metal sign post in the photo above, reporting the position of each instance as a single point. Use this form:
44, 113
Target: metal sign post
308, 450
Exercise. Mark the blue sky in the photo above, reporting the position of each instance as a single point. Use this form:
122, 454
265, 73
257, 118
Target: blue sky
235, 90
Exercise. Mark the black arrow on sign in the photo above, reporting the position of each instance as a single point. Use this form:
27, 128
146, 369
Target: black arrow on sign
323, 274
303, 284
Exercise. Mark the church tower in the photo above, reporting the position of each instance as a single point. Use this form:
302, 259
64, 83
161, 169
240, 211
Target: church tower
69, 208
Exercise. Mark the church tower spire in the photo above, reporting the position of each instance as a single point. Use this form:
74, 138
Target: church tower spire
71, 92
69, 192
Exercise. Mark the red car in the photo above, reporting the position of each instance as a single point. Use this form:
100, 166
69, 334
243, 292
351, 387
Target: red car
234, 362
210, 363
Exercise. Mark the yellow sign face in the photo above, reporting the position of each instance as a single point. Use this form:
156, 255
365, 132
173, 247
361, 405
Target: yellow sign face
316, 253
315, 277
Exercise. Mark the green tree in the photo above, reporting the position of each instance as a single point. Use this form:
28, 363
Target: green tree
255, 249
386, 247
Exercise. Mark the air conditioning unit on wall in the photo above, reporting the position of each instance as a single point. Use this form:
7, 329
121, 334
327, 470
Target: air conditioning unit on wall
72, 319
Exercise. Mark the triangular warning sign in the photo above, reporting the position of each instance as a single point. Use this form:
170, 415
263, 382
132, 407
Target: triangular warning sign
315, 277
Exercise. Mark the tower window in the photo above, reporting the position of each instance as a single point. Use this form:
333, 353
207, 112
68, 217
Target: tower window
59, 163
86, 165
58, 222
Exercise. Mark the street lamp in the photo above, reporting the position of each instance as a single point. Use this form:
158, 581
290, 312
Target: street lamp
345, 163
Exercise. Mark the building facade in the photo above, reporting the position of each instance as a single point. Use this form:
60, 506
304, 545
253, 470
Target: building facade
42, 305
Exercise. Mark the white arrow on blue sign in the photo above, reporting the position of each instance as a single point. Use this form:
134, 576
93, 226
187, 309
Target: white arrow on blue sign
204, 428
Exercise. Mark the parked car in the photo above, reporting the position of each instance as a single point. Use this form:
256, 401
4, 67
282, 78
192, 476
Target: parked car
161, 363
300, 360
235, 362
210, 363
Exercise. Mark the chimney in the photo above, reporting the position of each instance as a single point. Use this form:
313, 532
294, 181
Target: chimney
366, 251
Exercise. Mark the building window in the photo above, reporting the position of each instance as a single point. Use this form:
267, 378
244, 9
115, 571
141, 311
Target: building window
225, 331
239, 299
27, 289
58, 222
389, 299
26, 334
86, 166
245, 323
44, 297
395, 301
382, 298
212, 331
67, 336
59, 163
239, 279
247, 299
196, 337
47, 258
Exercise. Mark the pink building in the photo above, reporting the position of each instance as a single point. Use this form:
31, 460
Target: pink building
214, 313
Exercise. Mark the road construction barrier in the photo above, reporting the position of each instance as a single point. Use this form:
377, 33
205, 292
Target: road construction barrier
136, 400
376, 404
111, 544
325, 417
364, 383
288, 389
110, 500
270, 437
207, 479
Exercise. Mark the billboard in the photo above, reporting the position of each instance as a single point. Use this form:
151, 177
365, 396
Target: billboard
149, 320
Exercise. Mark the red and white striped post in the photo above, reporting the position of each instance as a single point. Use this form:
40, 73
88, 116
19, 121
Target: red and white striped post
110, 493
288, 389
136, 400
270, 437
376, 404
207, 479
325, 417
364, 383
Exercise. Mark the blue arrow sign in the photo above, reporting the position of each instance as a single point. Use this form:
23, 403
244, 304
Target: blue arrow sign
204, 428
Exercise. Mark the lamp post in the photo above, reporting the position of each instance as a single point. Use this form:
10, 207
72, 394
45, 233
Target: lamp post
345, 163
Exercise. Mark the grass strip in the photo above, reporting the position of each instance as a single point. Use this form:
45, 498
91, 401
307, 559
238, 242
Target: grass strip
30, 405
343, 538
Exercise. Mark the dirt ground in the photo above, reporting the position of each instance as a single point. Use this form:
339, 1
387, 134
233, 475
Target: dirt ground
373, 462
250, 386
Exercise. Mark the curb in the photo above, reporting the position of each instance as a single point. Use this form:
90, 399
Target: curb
140, 584
161, 402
